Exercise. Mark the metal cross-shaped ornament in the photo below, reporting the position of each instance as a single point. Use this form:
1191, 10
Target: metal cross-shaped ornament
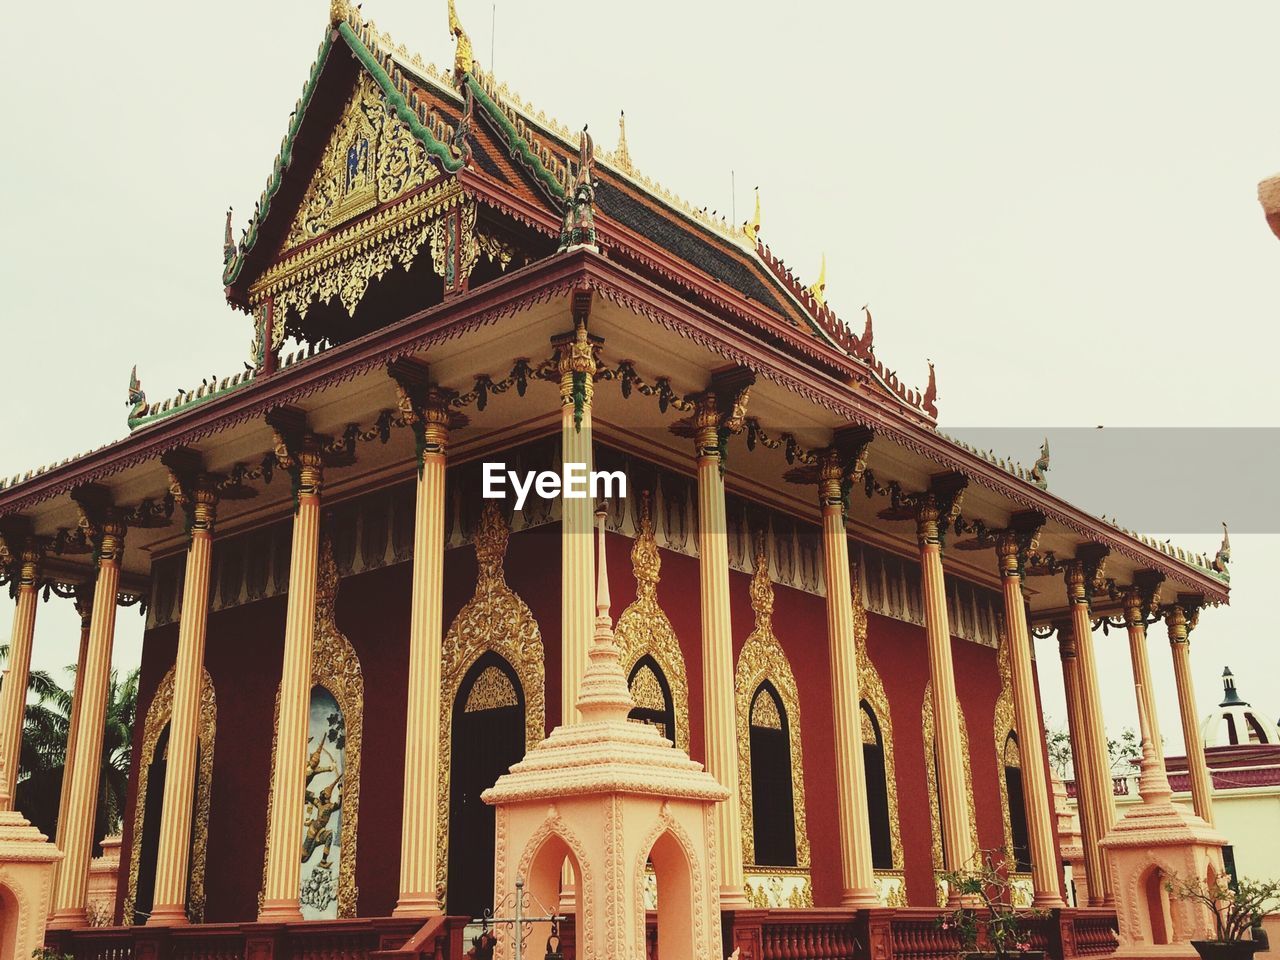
519, 926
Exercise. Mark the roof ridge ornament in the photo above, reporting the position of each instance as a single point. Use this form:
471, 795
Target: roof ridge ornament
1223, 557
752, 227
818, 290
622, 156
228, 242
463, 56
579, 228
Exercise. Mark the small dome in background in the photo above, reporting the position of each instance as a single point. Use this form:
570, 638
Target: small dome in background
1235, 722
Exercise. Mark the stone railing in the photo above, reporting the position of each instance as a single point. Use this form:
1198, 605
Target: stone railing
1093, 932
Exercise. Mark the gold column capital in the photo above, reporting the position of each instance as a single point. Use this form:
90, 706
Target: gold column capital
22, 553
1141, 597
192, 489
1083, 574
936, 509
297, 450
719, 411
103, 524
1017, 542
576, 359
842, 464
1182, 616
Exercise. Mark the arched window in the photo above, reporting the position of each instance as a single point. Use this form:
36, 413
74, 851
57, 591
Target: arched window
773, 810
1017, 806
873, 759
652, 696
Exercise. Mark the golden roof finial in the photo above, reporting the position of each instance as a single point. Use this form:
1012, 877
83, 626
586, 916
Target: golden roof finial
752, 227
339, 11
819, 289
622, 158
463, 58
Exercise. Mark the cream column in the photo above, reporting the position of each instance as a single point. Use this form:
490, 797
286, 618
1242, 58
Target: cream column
1138, 602
1181, 618
302, 457
719, 723
856, 869
13, 697
84, 593
418, 839
1079, 576
1086, 802
932, 512
1012, 547
577, 366
174, 851
84, 769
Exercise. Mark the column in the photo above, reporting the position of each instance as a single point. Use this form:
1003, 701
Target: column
76, 828
1012, 547
84, 593
577, 366
720, 727
27, 556
1080, 575
1181, 618
856, 869
1138, 602
300, 454
174, 851
933, 510
1086, 802
418, 840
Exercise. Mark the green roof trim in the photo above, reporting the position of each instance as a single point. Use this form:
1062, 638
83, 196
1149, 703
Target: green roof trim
519, 145
232, 271
164, 410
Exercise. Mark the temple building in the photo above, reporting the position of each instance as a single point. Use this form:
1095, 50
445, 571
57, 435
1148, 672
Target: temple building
818, 595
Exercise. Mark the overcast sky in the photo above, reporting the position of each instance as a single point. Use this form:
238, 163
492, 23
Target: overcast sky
1055, 205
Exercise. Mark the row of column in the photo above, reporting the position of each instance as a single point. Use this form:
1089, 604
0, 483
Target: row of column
717, 413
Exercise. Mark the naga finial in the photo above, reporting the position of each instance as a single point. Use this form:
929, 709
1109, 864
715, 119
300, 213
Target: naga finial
1041, 467
867, 341
463, 57
228, 241
137, 402
752, 227
622, 156
930, 400
819, 289
1223, 557
579, 227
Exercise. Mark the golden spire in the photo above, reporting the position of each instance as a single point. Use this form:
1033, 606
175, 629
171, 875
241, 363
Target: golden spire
819, 289
752, 227
463, 58
622, 157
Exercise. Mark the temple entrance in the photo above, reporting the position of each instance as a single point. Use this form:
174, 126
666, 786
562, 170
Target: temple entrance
488, 737
150, 848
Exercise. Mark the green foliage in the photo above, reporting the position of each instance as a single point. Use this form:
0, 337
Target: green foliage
1122, 753
48, 953
989, 885
41, 761
1235, 911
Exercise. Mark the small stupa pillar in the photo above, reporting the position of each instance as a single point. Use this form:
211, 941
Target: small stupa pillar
27, 859
612, 796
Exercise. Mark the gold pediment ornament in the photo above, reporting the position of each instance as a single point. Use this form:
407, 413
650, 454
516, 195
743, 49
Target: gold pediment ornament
159, 713
763, 659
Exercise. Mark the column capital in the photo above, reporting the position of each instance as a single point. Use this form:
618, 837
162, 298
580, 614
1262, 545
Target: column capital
427, 407
192, 489
1082, 574
1016, 542
297, 450
842, 464
576, 360
22, 552
720, 410
1141, 597
936, 509
102, 523
1181, 617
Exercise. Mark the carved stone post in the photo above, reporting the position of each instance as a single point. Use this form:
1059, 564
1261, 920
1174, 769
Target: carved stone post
106, 526
1181, 618
934, 511
301, 453
856, 868
719, 412
1139, 600
197, 494
429, 413
1080, 575
23, 554
1012, 547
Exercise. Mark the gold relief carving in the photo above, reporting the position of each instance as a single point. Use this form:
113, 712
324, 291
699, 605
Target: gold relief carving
336, 668
1004, 727
469, 246
646, 691
372, 157
491, 691
764, 711
872, 694
931, 774
779, 888
496, 620
868, 728
643, 628
158, 715
763, 659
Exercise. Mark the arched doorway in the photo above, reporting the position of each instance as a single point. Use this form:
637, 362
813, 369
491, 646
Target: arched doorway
1017, 806
488, 736
652, 696
150, 846
873, 759
772, 811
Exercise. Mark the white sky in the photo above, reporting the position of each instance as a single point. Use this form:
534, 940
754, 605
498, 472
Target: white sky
1057, 206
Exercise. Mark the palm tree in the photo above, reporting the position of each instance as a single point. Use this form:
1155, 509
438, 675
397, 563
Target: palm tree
44, 750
